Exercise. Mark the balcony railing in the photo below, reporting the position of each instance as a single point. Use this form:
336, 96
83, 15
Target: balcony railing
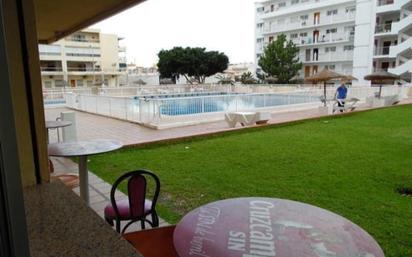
384, 2
286, 26
83, 69
331, 38
51, 69
327, 57
381, 50
383, 28
76, 39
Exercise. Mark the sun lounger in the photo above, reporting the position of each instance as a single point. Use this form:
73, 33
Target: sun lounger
244, 118
350, 105
262, 117
391, 100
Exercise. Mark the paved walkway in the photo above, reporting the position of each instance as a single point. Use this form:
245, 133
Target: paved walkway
91, 126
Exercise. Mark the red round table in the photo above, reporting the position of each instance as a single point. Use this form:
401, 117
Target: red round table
255, 227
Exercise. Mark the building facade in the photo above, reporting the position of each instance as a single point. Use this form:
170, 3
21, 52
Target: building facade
348, 36
84, 59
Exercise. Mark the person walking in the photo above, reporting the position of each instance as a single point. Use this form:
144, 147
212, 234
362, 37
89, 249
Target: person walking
340, 95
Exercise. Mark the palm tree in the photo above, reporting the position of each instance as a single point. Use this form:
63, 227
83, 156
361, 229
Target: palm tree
247, 78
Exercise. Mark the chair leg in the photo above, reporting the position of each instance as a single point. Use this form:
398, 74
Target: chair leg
155, 219
142, 224
110, 221
118, 226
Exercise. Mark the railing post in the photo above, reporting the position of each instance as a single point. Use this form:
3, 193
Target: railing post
125, 107
140, 109
110, 106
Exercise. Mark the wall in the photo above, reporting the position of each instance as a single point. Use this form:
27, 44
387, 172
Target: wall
109, 52
364, 40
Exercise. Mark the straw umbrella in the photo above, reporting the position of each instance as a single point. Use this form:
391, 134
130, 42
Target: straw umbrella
381, 77
350, 78
324, 76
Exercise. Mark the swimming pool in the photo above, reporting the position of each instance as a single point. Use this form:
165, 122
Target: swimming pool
222, 102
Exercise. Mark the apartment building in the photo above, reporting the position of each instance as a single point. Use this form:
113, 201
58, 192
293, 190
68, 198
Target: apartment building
84, 59
348, 36
393, 37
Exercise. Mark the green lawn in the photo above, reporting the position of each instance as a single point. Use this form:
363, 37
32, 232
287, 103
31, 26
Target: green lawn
350, 165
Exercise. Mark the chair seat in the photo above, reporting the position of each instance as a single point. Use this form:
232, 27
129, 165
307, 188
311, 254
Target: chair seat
124, 210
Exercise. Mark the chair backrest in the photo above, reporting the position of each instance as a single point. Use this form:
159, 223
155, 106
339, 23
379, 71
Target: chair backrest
136, 190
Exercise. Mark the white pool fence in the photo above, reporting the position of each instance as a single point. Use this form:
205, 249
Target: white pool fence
188, 106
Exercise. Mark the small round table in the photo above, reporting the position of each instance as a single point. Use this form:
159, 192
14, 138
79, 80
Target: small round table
82, 149
56, 124
246, 227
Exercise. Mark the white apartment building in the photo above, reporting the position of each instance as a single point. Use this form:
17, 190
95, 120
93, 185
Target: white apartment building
348, 36
393, 37
85, 58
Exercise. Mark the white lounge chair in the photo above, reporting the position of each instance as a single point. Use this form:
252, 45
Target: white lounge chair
244, 118
262, 117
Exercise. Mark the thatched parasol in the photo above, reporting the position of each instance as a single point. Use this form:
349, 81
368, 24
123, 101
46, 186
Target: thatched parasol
350, 78
324, 76
381, 77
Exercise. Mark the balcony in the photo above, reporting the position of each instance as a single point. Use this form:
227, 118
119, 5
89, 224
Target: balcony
384, 2
327, 57
382, 52
308, 24
383, 28
302, 7
387, 6
326, 39
51, 70
73, 41
394, 28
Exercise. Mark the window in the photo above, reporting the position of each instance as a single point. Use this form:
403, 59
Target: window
348, 48
282, 4
259, 40
79, 38
332, 12
350, 9
59, 83
79, 83
334, 30
304, 17
330, 67
295, 1
303, 34
272, 8
294, 35
260, 9
47, 84
259, 25
330, 49
258, 56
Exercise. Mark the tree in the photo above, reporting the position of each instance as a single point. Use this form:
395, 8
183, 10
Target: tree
195, 64
280, 59
247, 78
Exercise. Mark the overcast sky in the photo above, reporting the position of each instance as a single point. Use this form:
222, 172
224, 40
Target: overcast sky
223, 25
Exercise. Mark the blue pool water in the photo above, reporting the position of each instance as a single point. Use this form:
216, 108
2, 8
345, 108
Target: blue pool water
186, 104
